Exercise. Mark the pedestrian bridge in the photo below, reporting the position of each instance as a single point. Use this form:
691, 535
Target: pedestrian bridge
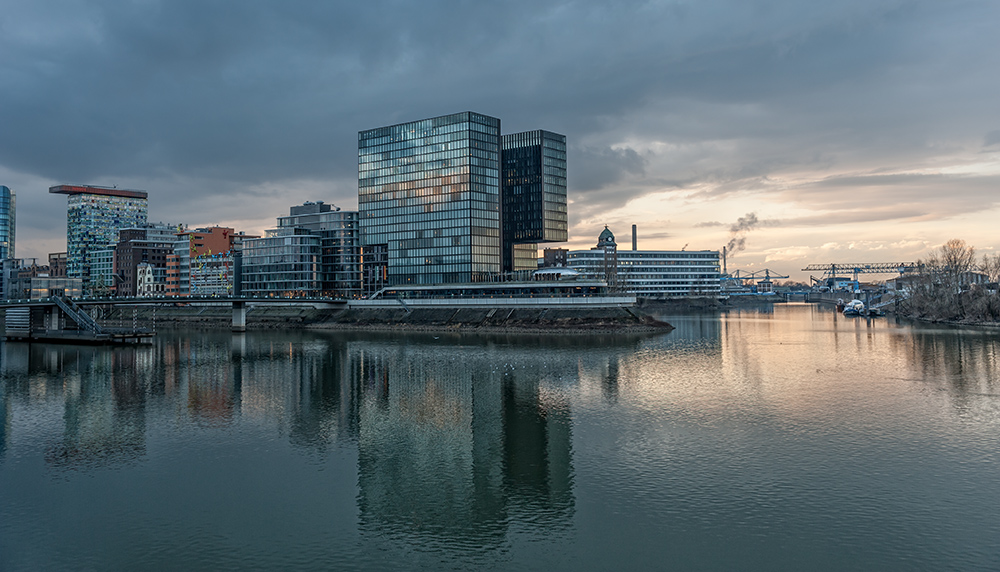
63, 319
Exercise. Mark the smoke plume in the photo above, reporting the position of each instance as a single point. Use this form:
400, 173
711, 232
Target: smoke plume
738, 232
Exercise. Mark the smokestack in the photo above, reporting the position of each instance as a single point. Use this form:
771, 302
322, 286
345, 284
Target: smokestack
635, 239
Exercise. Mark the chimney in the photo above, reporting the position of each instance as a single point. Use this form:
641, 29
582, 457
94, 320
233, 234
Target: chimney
635, 239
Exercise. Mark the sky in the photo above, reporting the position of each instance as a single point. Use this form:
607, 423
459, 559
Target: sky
798, 132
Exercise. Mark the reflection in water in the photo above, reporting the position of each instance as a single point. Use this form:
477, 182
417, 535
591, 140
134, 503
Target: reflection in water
103, 397
964, 363
737, 434
457, 441
454, 439
4, 419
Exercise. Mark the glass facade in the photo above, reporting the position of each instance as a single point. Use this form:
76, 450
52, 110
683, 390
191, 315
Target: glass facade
94, 216
7, 211
340, 248
429, 191
211, 274
534, 194
102, 271
284, 263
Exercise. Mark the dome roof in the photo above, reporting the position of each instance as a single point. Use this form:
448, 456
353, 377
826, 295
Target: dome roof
607, 237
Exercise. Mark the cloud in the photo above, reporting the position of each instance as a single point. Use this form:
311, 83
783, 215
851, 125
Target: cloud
236, 111
595, 169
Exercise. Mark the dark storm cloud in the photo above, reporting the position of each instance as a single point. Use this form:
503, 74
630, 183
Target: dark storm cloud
597, 168
233, 103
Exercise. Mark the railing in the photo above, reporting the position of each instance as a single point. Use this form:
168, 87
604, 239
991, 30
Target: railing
75, 313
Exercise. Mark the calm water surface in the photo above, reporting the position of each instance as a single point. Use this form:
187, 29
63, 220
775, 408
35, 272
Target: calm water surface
786, 439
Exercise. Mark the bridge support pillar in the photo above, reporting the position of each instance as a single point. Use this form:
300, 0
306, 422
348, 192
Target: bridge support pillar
239, 316
55, 319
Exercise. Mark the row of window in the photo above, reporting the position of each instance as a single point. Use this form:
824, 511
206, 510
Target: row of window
484, 237
444, 123
475, 138
628, 255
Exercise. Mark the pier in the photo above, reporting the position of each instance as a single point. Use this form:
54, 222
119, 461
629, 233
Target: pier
61, 320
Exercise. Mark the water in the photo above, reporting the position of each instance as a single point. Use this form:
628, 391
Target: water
791, 439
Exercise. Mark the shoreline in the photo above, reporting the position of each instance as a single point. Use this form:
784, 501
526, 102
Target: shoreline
502, 320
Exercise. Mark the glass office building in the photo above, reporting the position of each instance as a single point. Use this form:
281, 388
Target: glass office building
285, 263
533, 168
6, 223
314, 252
429, 194
340, 248
94, 216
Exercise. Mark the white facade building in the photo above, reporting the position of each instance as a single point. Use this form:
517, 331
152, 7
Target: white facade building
652, 273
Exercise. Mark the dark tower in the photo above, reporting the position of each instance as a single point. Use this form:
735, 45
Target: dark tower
533, 177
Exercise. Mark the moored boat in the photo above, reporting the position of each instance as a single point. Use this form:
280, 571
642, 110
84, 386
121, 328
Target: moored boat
854, 308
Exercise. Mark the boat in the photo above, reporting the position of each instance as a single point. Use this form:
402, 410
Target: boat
854, 308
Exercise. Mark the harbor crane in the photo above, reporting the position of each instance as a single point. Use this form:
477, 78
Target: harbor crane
742, 279
856, 268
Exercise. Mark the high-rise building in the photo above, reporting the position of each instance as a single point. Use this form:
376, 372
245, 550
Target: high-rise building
429, 197
7, 212
94, 216
533, 175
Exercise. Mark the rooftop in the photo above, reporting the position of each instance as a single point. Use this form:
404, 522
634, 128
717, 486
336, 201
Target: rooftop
95, 190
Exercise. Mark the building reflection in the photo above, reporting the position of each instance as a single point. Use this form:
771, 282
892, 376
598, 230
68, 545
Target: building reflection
103, 397
4, 421
105, 411
457, 441
453, 434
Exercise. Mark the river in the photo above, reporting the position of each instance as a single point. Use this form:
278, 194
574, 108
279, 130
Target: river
784, 438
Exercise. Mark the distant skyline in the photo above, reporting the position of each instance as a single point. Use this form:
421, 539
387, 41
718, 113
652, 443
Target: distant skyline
851, 131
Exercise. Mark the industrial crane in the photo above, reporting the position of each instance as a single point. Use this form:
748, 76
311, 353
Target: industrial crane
742, 279
862, 268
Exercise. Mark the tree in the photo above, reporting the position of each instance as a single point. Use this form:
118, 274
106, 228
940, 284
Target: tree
939, 292
958, 260
991, 267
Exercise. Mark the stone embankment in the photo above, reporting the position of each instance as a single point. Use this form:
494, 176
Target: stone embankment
568, 320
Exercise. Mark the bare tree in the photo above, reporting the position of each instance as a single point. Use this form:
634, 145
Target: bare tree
958, 259
991, 267
939, 292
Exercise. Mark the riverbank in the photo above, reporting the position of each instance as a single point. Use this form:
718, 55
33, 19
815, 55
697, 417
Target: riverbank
555, 320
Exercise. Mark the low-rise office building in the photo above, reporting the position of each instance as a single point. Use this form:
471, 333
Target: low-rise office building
202, 262
284, 263
650, 273
314, 252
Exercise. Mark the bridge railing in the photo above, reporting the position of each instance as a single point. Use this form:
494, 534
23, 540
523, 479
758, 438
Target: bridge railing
75, 313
